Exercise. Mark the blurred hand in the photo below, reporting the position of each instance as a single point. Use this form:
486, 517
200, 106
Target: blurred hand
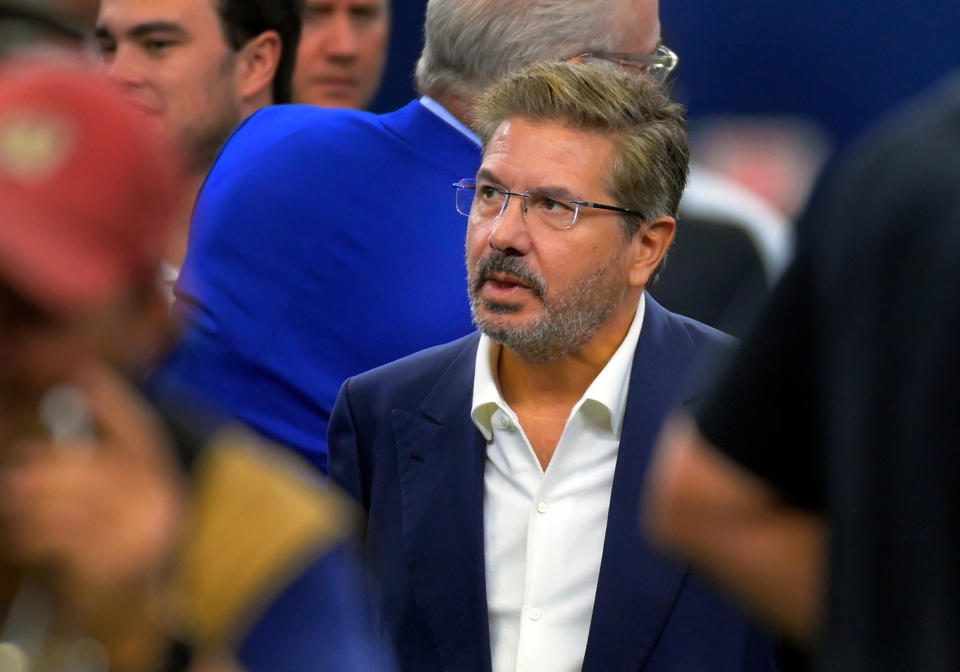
95, 521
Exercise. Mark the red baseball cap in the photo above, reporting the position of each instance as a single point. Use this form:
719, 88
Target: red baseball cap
88, 187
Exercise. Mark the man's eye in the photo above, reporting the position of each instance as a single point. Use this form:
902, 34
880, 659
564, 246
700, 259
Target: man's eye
157, 46
486, 192
550, 205
365, 14
317, 13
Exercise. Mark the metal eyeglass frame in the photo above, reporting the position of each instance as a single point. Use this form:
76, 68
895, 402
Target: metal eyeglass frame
471, 184
658, 65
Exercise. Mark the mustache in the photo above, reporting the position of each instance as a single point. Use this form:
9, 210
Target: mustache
498, 262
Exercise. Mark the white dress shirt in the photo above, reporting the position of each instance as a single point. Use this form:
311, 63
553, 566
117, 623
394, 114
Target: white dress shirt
544, 529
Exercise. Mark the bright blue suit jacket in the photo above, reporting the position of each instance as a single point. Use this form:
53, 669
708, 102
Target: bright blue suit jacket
402, 442
324, 243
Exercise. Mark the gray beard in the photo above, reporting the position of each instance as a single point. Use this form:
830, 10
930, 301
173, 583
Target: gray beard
568, 321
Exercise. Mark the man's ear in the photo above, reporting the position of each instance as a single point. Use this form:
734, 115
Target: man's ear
257, 65
649, 246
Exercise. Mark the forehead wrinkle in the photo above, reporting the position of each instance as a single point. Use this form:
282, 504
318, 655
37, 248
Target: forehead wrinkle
140, 26
126, 16
543, 175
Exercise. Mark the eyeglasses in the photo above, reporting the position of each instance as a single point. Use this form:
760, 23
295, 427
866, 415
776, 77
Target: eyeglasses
657, 66
485, 201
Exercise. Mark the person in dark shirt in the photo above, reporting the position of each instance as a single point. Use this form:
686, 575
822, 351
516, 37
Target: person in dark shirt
837, 421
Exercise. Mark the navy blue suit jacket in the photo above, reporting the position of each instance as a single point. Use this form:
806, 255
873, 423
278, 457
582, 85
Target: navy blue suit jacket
402, 442
324, 243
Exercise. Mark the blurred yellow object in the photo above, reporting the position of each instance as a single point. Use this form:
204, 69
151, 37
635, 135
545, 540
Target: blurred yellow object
255, 522
12, 658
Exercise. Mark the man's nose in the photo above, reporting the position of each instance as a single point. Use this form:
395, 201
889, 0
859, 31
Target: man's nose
509, 229
342, 41
122, 66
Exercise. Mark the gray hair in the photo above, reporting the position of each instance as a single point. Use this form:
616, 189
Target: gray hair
469, 44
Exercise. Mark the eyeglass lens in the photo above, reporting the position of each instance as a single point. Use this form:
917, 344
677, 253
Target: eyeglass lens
487, 202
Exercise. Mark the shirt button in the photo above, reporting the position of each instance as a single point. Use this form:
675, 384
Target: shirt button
535, 614
542, 507
506, 423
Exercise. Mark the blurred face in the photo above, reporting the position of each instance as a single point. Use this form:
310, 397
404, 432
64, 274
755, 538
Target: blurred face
39, 350
542, 292
171, 56
84, 12
342, 52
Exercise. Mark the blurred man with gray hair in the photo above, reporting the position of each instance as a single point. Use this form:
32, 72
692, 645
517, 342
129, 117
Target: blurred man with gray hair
323, 243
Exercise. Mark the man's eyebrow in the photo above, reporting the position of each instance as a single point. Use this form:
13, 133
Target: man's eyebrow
145, 29
367, 7
484, 173
169, 27
556, 193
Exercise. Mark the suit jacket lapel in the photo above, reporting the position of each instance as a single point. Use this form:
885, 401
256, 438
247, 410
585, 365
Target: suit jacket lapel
637, 589
441, 457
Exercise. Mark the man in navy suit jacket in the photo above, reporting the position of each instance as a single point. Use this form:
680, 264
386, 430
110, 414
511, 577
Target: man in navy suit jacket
323, 243
502, 471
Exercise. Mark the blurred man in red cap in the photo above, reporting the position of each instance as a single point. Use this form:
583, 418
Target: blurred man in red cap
85, 195
100, 548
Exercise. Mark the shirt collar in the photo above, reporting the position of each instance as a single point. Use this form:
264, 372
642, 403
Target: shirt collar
444, 114
608, 390
486, 389
610, 387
